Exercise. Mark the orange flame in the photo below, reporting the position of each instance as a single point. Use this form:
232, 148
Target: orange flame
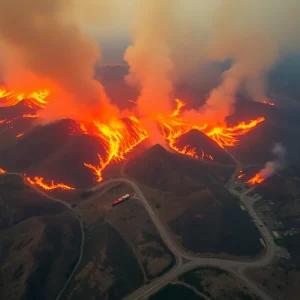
19, 135
228, 136
174, 126
258, 178
268, 103
2, 171
119, 140
36, 99
241, 175
32, 116
39, 181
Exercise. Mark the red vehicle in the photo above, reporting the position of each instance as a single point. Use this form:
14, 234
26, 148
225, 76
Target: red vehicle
120, 200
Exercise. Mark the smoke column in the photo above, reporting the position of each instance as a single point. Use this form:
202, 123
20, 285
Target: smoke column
275, 165
41, 38
149, 57
253, 34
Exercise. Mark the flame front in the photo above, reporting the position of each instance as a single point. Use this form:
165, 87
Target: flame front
40, 181
35, 99
2, 171
119, 140
174, 126
257, 179
228, 136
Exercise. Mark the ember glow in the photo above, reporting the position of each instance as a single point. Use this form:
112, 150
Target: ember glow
241, 175
257, 179
19, 135
119, 139
34, 99
2, 171
175, 126
227, 136
49, 186
269, 103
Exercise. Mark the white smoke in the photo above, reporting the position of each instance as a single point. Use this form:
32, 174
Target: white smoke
276, 165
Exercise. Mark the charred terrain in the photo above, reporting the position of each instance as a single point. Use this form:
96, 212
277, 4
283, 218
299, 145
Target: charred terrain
82, 247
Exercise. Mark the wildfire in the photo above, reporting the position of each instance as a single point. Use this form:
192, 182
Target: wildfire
2, 171
39, 181
268, 103
19, 135
256, 179
174, 126
34, 100
119, 139
228, 136
241, 175
31, 116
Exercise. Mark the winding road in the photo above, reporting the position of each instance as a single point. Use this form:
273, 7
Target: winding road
237, 268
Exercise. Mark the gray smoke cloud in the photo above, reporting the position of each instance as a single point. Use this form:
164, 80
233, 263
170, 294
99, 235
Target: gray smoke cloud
254, 35
276, 165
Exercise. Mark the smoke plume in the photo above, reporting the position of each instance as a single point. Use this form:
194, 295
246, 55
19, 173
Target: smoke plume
276, 165
41, 39
253, 34
149, 57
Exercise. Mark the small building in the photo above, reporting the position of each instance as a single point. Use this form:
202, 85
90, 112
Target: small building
275, 233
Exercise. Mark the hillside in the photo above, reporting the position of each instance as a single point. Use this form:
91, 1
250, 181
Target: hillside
160, 169
39, 243
36, 145
67, 163
203, 144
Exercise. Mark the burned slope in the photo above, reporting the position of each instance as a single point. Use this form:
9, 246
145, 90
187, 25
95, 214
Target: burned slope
160, 169
36, 145
39, 243
190, 197
256, 146
17, 110
67, 163
203, 146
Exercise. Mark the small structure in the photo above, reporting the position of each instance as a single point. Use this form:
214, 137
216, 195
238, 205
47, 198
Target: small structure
275, 233
120, 200
262, 242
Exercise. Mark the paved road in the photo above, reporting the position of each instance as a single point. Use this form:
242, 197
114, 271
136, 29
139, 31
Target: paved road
236, 268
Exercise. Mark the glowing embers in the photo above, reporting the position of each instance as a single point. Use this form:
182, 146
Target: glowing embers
268, 103
49, 186
119, 138
241, 175
2, 171
257, 179
19, 135
33, 100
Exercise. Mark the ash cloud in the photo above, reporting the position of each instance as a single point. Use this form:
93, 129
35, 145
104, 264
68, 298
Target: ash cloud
41, 39
277, 164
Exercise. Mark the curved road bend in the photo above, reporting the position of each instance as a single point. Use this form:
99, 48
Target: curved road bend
235, 267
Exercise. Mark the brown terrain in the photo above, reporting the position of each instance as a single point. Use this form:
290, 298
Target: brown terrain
39, 243
189, 196
199, 141
119, 256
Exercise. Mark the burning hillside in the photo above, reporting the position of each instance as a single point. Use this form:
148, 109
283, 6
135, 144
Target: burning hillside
117, 137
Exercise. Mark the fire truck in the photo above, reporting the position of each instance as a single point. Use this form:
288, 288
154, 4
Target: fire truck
120, 200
